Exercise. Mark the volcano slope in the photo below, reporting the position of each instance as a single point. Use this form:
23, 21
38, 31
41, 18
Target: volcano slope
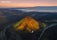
25, 29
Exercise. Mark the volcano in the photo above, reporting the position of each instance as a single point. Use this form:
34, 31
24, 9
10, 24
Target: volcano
28, 24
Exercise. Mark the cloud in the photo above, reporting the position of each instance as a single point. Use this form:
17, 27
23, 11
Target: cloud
5, 1
29, 1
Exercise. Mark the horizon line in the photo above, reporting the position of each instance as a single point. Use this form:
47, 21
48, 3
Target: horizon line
28, 7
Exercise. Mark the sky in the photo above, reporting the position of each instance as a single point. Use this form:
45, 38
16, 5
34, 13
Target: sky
27, 3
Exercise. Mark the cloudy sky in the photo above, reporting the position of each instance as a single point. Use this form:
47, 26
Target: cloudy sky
27, 3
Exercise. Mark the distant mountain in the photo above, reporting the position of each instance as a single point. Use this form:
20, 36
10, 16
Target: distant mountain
40, 9
45, 7
36, 7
